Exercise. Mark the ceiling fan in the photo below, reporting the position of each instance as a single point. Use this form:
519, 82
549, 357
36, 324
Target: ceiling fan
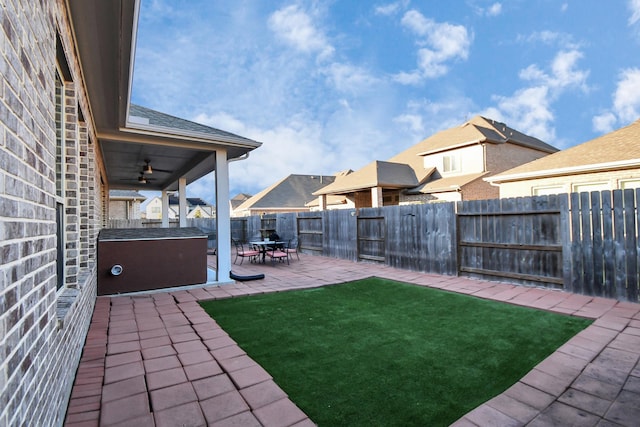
141, 179
147, 169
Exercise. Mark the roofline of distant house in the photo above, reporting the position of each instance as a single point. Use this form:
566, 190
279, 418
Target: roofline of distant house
600, 167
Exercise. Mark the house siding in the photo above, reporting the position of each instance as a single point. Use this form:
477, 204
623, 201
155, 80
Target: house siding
42, 329
613, 179
490, 158
470, 158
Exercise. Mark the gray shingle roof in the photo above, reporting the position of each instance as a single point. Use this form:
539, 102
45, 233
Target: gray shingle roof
294, 191
157, 118
126, 194
191, 201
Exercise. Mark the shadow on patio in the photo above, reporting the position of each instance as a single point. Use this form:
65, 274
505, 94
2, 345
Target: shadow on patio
158, 359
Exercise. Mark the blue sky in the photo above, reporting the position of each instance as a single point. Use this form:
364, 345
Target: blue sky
333, 85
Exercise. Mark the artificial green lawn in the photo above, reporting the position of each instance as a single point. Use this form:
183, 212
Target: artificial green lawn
376, 352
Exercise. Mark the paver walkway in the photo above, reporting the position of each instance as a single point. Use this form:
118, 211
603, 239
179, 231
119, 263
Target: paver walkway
159, 360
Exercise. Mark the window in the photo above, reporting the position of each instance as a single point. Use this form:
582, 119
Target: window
451, 163
60, 169
590, 186
545, 191
629, 184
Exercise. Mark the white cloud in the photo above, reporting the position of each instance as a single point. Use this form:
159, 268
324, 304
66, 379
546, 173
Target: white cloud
405, 78
563, 40
412, 121
391, 8
564, 71
530, 109
296, 28
604, 122
439, 44
349, 78
494, 10
285, 149
424, 117
634, 7
626, 103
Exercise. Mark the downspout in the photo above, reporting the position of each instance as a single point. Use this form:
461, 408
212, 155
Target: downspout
484, 157
245, 156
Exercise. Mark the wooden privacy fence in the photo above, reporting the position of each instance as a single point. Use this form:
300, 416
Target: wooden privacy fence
585, 243
516, 239
602, 251
415, 237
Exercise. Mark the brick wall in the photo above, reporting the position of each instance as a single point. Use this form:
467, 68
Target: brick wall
118, 209
500, 157
124, 209
42, 329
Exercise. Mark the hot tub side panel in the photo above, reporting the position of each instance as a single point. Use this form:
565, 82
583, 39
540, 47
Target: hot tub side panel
151, 264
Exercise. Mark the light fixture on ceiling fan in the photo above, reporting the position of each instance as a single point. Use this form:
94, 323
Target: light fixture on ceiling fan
147, 169
142, 179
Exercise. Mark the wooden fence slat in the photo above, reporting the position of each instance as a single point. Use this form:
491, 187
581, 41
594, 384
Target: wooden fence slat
619, 254
598, 249
586, 243
577, 282
608, 250
635, 294
630, 252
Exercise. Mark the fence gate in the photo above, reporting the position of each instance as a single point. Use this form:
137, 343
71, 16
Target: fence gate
310, 233
515, 239
371, 235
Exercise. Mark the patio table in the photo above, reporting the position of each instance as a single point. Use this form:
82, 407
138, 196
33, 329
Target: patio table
263, 245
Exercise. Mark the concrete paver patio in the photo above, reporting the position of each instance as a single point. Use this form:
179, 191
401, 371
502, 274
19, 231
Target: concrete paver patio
158, 359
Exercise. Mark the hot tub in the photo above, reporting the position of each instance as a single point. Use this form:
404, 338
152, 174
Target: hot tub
142, 259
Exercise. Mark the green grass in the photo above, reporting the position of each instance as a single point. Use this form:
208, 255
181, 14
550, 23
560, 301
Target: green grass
381, 353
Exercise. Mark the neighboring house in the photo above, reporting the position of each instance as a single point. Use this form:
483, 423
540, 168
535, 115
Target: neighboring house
69, 135
153, 209
290, 194
447, 166
125, 204
609, 162
196, 208
199, 211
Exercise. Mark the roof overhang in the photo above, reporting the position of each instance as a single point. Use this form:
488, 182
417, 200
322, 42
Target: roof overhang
105, 37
